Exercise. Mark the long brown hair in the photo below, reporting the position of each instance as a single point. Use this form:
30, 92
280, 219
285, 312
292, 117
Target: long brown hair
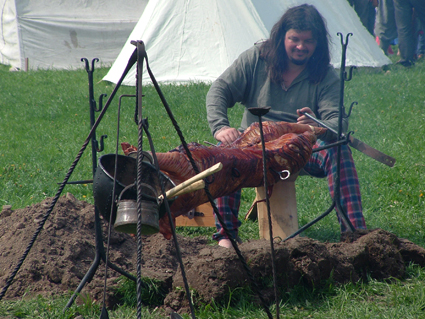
302, 18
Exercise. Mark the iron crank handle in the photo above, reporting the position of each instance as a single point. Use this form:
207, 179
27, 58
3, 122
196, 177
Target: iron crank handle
320, 122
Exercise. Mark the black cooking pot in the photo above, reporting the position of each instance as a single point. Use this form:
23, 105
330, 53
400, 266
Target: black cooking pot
103, 183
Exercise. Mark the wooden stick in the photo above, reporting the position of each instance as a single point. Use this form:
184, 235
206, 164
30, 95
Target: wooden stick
209, 171
191, 188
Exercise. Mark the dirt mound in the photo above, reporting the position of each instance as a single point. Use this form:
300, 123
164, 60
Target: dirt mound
65, 249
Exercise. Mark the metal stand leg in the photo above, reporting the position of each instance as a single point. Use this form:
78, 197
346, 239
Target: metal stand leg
342, 139
100, 249
99, 255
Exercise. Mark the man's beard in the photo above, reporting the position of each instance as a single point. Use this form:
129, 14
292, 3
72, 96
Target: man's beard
299, 62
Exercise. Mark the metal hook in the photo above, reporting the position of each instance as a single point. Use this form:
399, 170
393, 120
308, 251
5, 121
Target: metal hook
346, 137
101, 143
100, 103
350, 75
87, 64
288, 174
342, 38
350, 109
92, 63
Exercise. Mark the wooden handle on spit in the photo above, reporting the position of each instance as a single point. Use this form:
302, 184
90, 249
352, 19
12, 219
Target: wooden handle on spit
191, 188
209, 171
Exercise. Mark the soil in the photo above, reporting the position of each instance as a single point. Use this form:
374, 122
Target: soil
63, 251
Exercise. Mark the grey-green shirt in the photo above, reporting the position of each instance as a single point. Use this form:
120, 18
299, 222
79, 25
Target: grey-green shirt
246, 81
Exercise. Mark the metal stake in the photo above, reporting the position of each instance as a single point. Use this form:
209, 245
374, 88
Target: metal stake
260, 111
341, 139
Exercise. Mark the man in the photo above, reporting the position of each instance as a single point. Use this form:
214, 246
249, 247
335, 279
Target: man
407, 43
291, 73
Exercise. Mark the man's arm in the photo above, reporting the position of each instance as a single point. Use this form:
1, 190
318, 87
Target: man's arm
218, 101
229, 88
328, 104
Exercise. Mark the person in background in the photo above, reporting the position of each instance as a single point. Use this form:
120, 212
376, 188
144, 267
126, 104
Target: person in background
291, 73
407, 35
385, 26
365, 9
421, 41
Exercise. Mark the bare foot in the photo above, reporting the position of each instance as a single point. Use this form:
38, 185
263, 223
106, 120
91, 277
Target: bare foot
225, 243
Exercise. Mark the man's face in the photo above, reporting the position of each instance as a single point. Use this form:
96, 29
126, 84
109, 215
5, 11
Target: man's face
300, 46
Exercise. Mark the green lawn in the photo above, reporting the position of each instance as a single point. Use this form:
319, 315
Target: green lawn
45, 120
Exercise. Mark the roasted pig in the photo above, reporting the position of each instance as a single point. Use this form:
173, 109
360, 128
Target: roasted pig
288, 147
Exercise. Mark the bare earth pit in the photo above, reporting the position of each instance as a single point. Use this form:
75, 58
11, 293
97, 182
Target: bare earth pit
65, 249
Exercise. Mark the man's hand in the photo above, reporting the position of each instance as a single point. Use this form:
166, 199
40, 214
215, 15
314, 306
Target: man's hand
227, 135
302, 119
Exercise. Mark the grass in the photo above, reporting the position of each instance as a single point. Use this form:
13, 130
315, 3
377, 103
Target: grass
375, 299
45, 120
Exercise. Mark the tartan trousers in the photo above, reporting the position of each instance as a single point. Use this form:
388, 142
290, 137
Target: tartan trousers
321, 164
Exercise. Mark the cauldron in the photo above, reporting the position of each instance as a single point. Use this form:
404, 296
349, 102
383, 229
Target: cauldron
125, 186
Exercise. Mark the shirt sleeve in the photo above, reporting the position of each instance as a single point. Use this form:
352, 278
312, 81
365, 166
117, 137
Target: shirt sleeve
229, 88
328, 104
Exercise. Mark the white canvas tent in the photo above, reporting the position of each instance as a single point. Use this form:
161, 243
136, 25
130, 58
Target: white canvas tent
57, 34
195, 40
